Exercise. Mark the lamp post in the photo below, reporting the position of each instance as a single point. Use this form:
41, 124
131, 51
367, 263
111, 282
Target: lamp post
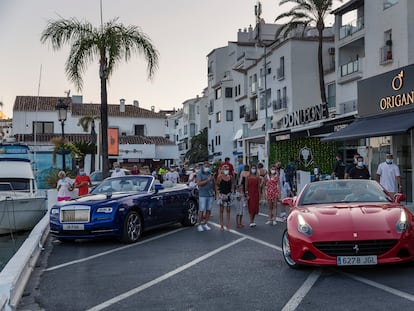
62, 110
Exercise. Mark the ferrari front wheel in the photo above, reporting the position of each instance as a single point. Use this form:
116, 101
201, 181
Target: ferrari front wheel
286, 251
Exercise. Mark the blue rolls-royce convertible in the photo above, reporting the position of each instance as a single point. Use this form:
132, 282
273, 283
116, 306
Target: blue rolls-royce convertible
124, 207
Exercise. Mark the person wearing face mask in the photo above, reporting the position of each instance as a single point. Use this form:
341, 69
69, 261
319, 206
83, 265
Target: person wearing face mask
205, 183
82, 182
64, 187
117, 170
388, 175
224, 189
253, 194
273, 194
350, 166
360, 171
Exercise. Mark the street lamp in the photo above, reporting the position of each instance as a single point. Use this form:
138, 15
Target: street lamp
62, 110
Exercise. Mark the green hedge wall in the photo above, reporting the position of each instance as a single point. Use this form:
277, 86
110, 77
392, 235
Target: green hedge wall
323, 153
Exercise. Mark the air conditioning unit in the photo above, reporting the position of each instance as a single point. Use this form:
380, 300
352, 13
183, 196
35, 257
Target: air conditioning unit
331, 51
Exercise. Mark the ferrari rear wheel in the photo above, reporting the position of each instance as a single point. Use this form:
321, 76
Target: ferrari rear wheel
286, 251
132, 227
191, 215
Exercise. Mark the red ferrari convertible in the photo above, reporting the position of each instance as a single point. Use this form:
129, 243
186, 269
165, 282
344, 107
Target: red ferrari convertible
347, 223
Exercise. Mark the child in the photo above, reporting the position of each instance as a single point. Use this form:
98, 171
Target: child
239, 202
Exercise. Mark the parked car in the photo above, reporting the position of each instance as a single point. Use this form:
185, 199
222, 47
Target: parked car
96, 176
347, 223
124, 207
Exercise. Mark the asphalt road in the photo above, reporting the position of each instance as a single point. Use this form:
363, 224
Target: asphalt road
179, 268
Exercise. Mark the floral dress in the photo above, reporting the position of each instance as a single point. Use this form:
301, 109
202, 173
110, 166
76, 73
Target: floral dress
273, 189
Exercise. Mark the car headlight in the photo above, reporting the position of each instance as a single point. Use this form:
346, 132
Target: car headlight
402, 223
303, 226
106, 210
54, 211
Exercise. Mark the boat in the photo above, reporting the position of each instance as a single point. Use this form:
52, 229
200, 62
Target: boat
21, 204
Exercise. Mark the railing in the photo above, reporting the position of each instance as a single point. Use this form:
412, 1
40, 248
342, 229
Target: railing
385, 54
351, 28
351, 67
349, 106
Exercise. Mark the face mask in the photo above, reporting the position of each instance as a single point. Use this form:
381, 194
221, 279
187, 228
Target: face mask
206, 169
253, 171
361, 164
117, 169
198, 171
82, 173
273, 172
226, 172
389, 161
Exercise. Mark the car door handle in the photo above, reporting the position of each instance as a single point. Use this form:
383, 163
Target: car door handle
156, 197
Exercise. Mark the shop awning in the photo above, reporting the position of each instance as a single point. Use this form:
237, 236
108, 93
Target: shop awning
258, 124
375, 126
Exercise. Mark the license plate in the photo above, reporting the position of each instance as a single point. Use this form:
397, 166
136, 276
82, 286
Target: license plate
356, 260
73, 227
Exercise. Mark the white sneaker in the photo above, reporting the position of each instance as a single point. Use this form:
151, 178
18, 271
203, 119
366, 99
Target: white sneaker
206, 227
274, 222
252, 225
268, 222
200, 228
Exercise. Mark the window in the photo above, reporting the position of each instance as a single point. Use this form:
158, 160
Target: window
389, 3
331, 95
218, 117
242, 111
228, 92
185, 129
41, 127
229, 115
281, 69
139, 130
218, 93
192, 129
209, 124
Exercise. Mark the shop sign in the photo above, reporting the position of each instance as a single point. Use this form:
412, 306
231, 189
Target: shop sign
399, 99
304, 116
305, 156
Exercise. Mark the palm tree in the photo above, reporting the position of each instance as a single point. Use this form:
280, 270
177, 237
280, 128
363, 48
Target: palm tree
198, 151
109, 43
308, 13
84, 122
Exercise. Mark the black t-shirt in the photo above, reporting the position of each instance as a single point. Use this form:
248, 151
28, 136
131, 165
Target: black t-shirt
359, 173
339, 169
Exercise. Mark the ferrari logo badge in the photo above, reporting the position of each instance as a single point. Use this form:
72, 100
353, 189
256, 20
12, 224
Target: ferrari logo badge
355, 235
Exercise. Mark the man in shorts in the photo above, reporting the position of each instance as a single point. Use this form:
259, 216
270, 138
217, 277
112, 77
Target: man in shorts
205, 183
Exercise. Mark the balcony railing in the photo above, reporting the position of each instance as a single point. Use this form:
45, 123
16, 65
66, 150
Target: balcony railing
385, 54
351, 28
351, 67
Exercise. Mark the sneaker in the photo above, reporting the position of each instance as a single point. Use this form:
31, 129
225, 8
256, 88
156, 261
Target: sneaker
283, 215
274, 222
252, 225
206, 227
268, 222
200, 228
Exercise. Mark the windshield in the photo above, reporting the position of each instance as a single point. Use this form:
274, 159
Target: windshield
343, 191
130, 183
14, 184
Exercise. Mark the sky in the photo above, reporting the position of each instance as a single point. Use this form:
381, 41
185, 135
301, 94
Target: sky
183, 31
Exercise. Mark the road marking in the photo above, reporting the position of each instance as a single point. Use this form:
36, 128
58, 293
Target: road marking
385, 288
112, 251
164, 277
297, 298
249, 237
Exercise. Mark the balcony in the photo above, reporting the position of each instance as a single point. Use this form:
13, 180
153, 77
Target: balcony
280, 73
250, 116
386, 55
351, 71
351, 28
280, 103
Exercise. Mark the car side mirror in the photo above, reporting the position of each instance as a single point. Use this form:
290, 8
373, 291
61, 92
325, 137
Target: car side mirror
398, 197
158, 187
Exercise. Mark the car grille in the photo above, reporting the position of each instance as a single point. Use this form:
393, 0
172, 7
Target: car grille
75, 214
352, 248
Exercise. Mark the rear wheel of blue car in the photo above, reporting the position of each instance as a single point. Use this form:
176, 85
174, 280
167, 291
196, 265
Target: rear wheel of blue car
191, 215
286, 251
132, 227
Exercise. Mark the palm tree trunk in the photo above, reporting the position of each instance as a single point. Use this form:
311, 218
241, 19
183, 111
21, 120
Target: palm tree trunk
104, 119
93, 136
320, 65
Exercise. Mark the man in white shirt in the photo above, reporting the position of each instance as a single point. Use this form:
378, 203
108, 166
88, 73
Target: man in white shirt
388, 175
117, 170
172, 175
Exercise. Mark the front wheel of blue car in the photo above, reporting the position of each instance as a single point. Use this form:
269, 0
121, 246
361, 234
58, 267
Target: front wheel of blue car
132, 227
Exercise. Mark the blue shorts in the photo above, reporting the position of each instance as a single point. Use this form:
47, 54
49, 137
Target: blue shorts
205, 204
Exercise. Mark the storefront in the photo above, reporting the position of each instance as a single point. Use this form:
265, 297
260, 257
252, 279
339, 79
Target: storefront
385, 122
